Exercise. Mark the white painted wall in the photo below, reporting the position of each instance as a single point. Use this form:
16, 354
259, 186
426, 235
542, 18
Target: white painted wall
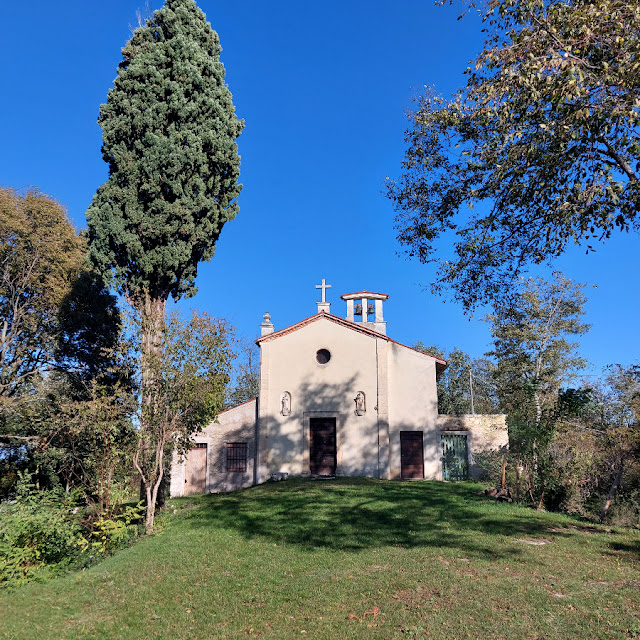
401, 395
289, 364
413, 404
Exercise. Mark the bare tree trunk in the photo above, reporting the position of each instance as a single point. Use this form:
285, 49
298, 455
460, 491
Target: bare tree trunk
504, 470
152, 496
534, 446
612, 491
533, 500
152, 314
518, 480
150, 514
538, 403
149, 459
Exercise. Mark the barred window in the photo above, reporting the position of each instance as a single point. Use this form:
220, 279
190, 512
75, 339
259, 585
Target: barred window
236, 456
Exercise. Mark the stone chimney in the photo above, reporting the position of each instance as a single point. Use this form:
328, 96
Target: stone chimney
267, 326
367, 307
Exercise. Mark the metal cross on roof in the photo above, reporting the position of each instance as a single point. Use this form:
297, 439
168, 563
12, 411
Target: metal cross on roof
324, 287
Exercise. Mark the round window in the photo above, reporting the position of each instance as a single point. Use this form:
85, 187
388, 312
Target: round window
323, 356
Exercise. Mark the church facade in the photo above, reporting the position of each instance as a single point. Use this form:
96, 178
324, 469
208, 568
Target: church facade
338, 397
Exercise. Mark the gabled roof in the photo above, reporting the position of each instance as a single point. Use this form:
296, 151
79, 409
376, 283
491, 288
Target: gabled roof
353, 326
235, 406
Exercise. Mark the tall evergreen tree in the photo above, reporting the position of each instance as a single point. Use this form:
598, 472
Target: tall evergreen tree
169, 130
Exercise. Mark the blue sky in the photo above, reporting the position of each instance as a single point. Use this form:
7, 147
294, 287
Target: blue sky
323, 89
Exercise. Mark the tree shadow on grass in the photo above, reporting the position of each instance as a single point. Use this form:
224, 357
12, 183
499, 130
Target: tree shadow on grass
351, 514
632, 549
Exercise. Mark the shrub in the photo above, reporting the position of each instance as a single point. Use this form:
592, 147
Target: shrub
39, 531
110, 533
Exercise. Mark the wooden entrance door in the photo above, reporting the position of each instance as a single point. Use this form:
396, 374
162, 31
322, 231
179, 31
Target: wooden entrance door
455, 457
411, 454
195, 480
322, 446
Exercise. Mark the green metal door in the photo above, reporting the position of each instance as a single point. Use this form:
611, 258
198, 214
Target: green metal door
455, 460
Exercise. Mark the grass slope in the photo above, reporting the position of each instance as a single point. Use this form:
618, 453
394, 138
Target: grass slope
350, 558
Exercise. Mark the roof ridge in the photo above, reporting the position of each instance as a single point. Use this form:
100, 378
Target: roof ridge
355, 326
238, 405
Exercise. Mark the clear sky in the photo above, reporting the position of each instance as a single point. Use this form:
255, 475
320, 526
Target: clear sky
323, 89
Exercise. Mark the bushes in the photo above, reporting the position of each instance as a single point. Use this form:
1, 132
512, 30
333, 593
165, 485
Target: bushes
40, 531
44, 532
109, 534
575, 473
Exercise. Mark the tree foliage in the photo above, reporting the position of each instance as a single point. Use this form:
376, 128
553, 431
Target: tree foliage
89, 340
532, 346
94, 435
544, 138
595, 450
190, 372
535, 358
58, 324
41, 256
245, 379
463, 378
169, 130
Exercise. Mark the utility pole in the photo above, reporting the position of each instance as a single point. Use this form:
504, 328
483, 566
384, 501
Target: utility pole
471, 389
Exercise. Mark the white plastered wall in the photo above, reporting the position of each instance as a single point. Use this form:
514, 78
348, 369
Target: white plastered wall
413, 405
289, 364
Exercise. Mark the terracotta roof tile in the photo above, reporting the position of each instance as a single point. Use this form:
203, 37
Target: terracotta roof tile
235, 406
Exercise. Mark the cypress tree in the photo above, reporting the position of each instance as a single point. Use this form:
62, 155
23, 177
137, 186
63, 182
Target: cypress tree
169, 130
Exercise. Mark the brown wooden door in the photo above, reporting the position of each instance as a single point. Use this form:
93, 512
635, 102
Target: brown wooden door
195, 480
411, 454
322, 446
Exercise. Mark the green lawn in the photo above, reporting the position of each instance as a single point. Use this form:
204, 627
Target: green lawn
348, 559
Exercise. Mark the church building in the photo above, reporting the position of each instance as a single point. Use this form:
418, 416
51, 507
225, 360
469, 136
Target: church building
338, 397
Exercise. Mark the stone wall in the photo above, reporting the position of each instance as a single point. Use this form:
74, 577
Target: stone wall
486, 433
237, 424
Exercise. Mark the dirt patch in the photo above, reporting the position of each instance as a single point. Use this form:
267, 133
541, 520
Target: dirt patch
422, 599
583, 529
633, 584
379, 567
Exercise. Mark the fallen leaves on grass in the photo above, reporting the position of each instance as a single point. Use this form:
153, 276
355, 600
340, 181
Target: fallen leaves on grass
375, 612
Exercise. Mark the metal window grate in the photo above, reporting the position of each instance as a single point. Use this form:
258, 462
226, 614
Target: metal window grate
455, 457
236, 456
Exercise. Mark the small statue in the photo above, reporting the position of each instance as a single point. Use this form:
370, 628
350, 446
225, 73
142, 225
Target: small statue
285, 404
360, 403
